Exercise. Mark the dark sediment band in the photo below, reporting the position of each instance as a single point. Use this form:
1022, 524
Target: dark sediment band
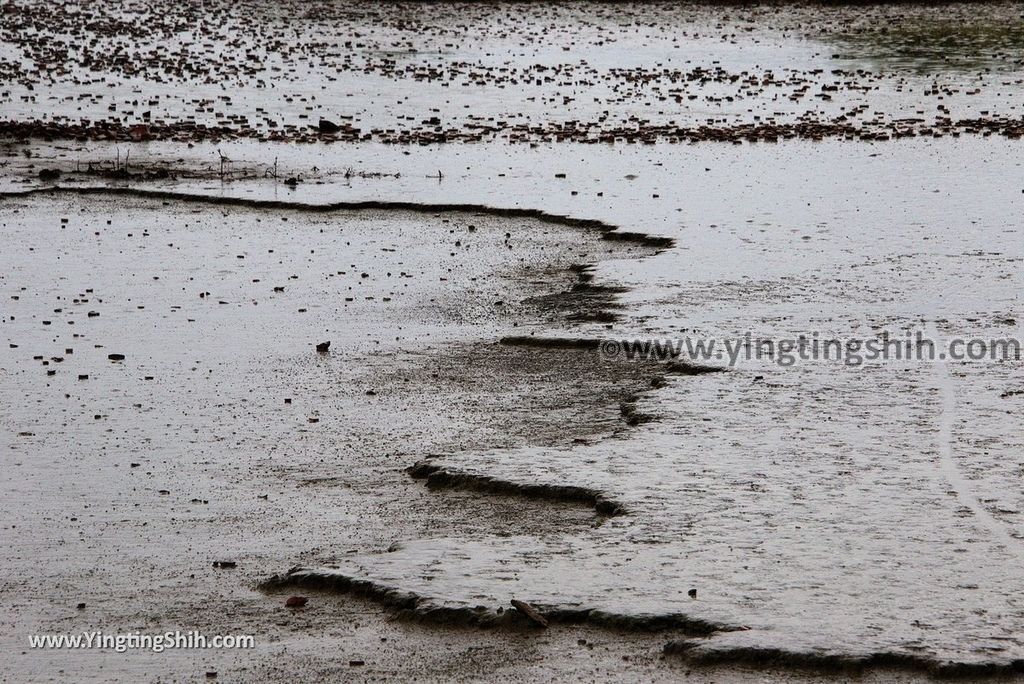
585, 132
679, 367
582, 343
838, 663
439, 477
416, 607
674, 367
585, 286
607, 230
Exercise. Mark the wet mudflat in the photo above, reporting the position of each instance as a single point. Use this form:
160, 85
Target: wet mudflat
174, 432
818, 520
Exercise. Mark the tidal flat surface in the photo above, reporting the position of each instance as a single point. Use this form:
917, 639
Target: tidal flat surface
167, 409
837, 170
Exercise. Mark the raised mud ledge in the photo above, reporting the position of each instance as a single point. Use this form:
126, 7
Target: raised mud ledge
838, 663
607, 230
437, 476
441, 477
416, 607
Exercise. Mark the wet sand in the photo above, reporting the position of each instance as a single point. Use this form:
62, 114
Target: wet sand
460, 443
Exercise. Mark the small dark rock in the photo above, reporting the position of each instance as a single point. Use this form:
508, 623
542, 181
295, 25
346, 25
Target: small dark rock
328, 126
530, 612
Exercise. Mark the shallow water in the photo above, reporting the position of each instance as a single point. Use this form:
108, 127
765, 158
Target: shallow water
828, 509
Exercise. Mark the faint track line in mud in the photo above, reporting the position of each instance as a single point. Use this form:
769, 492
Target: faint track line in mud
947, 462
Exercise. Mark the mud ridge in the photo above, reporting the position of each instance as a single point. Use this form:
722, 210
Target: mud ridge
440, 477
415, 607
582, 343
607, 230
676, 366
837, 663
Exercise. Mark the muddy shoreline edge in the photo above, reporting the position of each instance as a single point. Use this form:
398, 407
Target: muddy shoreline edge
419, 608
